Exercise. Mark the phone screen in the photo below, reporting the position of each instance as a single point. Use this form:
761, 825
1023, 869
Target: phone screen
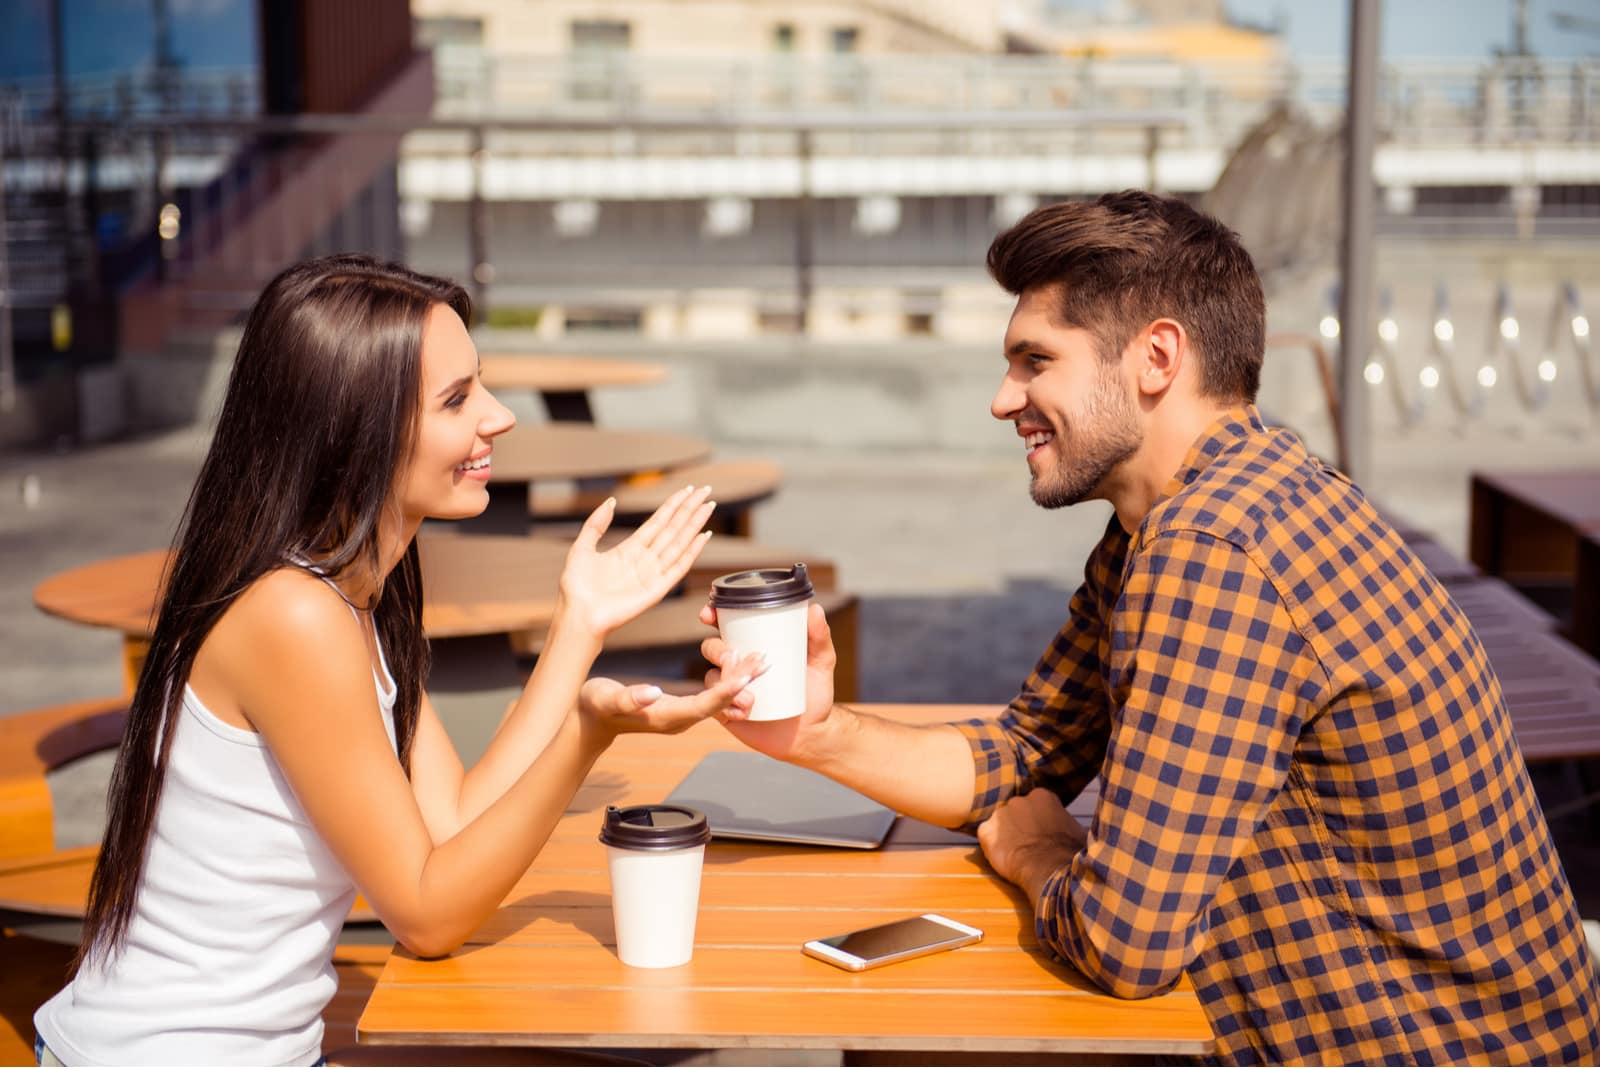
891, 938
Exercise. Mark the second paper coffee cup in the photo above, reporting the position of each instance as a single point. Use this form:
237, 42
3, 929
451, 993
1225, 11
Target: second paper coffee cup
654, 854
764, 611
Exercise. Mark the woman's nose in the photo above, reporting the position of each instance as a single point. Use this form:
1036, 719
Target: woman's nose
497, 420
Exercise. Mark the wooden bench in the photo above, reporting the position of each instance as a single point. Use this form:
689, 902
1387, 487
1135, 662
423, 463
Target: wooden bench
33, 744
736, 485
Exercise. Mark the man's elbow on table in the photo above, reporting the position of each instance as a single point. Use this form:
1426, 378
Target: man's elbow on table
1131, 960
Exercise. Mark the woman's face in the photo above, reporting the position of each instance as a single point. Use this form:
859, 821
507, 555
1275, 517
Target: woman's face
448, 473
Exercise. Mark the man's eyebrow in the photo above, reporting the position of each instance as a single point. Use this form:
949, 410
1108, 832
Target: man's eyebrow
1017, 348
459, 383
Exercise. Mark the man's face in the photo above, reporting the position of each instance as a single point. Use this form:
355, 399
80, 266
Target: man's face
1070, 406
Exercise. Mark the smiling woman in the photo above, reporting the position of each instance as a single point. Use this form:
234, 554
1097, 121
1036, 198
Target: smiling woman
280, 753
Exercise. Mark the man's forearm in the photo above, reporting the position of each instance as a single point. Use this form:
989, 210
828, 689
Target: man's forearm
923, 772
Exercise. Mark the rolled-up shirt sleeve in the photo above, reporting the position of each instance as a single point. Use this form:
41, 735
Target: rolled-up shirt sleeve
1208, 682
1054, 732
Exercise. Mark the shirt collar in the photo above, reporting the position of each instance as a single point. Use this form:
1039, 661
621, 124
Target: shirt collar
1230, 427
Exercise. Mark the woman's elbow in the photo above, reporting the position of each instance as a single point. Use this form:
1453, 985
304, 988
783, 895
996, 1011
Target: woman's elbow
428, 940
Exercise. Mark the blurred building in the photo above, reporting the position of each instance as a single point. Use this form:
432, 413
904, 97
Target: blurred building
718, 27
695, 171
150, 162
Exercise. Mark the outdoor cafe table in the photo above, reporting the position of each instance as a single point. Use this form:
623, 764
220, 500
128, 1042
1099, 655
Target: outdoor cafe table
563, 380
572, 451
543, 969
1529, 527
473, 587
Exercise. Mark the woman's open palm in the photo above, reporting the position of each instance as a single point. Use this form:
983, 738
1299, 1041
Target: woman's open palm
606, 588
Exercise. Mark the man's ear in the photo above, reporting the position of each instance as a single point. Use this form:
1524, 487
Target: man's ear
1164, 345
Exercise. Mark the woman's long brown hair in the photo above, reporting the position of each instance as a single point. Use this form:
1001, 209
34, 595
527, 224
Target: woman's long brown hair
320, 414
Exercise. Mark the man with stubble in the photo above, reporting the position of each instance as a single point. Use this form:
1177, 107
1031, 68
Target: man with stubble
1311, 800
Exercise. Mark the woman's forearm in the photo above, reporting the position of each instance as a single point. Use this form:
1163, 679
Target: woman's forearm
544, 704
465, 878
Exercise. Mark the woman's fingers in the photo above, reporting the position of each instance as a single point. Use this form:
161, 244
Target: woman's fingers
684, 522
596, 525
659, 517
673, 571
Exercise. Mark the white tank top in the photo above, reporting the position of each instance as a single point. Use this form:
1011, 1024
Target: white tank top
229, 953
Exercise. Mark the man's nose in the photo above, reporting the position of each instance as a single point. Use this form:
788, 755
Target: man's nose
1008, 400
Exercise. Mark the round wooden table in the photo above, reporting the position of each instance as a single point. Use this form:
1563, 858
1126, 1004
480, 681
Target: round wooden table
564, 380
572, 451
472, 586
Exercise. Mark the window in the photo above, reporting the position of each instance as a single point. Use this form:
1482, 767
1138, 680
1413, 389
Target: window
845, 39
783, 37
602, 36
432, 32
598, 48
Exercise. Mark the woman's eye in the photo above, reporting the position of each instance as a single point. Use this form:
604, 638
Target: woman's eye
456, 400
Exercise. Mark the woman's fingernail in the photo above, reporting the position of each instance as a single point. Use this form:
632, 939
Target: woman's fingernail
648, 693
744, 680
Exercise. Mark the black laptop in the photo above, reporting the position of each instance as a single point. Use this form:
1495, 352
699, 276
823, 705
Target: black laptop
751, 796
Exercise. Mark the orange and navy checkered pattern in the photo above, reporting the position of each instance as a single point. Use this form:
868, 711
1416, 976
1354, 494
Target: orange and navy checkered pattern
1311, 800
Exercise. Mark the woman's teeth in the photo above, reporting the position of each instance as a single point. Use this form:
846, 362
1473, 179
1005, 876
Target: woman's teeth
474, 465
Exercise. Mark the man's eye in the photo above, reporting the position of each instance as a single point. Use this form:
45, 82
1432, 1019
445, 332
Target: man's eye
1035, 360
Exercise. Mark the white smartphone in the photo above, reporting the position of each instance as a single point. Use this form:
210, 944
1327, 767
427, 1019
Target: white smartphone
886, 943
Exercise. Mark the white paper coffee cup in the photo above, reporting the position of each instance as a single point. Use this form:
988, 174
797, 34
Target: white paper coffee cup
654, 854
764, 611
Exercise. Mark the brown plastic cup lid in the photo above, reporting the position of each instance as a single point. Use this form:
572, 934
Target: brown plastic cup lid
652, 827
769, 587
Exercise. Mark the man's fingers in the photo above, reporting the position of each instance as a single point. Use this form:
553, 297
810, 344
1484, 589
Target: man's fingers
714, 649
819, 639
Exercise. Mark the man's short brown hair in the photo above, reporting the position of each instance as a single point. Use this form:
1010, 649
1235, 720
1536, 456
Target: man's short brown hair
1125, 259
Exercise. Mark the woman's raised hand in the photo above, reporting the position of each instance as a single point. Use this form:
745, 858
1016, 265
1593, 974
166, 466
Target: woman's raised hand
602, 590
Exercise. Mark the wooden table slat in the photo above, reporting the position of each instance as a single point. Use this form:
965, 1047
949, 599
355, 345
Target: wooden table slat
954, 1019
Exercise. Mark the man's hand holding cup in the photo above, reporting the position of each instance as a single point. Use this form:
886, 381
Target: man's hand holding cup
802, 738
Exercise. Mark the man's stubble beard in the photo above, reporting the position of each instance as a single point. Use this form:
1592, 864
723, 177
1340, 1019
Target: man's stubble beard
1102, 436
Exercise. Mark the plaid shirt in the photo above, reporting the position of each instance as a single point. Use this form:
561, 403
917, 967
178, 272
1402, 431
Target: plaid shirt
1311, 800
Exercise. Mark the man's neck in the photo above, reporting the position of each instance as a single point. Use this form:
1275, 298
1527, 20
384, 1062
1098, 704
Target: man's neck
1139, 481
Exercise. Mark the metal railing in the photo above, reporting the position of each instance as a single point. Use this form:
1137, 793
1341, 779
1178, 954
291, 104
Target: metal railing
1420, 101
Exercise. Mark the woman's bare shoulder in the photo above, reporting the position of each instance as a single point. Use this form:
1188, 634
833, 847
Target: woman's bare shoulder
288, 611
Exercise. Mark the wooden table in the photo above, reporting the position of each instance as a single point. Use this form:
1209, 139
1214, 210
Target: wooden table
1586, 580
571, 451
543, 970
478, 592
564, 380
1527, 527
